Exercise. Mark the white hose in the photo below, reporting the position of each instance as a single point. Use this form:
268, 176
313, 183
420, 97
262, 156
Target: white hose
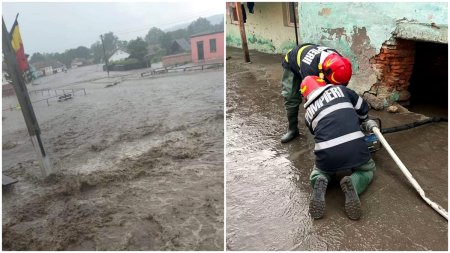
408, 175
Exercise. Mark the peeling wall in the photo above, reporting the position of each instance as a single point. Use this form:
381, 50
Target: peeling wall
265, 29
358, 30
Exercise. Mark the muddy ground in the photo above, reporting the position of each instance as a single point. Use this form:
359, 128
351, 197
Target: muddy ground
267, 182
139, 164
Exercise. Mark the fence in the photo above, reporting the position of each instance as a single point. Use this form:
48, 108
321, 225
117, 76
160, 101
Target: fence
58, 94
181, 69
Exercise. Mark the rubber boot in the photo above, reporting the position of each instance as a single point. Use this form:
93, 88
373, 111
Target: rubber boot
352, 203
292, 132
317, 202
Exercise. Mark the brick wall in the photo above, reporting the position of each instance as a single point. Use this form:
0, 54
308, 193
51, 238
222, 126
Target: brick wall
175, 59
393, 67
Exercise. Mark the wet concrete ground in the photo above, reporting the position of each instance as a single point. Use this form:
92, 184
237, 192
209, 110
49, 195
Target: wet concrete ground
268, 188
139, 164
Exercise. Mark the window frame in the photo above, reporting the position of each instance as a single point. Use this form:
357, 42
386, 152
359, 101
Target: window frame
287, 14
210, 45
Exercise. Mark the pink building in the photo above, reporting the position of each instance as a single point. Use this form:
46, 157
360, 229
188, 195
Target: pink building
207, 47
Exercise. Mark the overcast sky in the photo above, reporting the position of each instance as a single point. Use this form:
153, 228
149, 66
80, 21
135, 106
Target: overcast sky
55, 27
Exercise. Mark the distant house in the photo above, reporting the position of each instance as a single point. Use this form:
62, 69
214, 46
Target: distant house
7, 88
44, 67
180, 46
48, 67
118, 55
58, 67
5, 75
77, 62
207, 47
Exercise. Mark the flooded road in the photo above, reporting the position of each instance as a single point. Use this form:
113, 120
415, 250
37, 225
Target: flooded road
139, 165
268, 188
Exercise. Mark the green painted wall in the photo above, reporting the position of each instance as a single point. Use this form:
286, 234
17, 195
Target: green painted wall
358, 30
265, 29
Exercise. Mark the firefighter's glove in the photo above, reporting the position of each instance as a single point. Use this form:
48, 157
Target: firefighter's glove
368, 125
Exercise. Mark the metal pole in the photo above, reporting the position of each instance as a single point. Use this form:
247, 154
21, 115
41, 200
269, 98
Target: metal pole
295, 22
24, 101
242, 30
104, 53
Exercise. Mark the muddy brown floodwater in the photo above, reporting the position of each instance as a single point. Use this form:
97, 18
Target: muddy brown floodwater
268, 188
139, 164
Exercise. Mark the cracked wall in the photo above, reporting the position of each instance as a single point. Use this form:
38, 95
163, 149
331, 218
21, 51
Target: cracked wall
358, 30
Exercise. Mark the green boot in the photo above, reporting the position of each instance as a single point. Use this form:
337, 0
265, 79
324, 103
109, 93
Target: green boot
292, 132
317, 202
352, 203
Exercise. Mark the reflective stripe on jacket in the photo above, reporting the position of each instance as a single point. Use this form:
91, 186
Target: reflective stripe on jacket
334, 114
304, 59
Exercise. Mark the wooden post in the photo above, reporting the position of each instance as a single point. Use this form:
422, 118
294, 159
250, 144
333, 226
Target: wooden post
242, 30
25, 102
104, 54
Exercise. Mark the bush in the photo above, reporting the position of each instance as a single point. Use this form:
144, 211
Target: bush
125, 62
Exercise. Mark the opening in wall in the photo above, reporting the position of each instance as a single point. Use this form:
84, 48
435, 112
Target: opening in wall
428, 84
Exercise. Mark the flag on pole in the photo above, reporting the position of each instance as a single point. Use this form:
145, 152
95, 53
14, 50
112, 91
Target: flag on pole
17, 45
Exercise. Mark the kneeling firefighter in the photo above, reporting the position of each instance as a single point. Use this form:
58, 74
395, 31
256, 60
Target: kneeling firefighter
309, 60
333, 115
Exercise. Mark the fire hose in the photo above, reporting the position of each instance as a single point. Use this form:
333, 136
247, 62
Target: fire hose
374, 128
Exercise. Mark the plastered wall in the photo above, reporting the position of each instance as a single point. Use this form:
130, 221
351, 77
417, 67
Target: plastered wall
358, 30
265, 29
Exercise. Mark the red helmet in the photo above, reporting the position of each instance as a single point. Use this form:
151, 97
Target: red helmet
337, 69
309, 84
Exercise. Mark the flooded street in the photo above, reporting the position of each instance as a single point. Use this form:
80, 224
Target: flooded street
139, 164
268, 182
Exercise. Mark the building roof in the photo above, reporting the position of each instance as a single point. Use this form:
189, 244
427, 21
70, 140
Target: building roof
203, 34
57, 64
40, 64
45, 64
183, 43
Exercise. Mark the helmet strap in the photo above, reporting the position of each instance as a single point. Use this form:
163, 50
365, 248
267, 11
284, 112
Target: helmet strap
323, 55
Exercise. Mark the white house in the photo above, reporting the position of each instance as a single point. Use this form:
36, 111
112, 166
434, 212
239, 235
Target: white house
118, 55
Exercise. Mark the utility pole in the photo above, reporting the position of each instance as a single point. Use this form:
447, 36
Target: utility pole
104, 54
242, 30
24, 101
295, 22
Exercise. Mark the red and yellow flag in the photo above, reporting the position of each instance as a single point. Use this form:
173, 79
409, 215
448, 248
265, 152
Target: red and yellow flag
17, 45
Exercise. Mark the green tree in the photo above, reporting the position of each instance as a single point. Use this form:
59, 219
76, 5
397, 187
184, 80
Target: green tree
137, 48
82, 52
122, 44
179, 34
165, 41
37, 57
153, 35
218, 27
97, 52
111, 43
201, 25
